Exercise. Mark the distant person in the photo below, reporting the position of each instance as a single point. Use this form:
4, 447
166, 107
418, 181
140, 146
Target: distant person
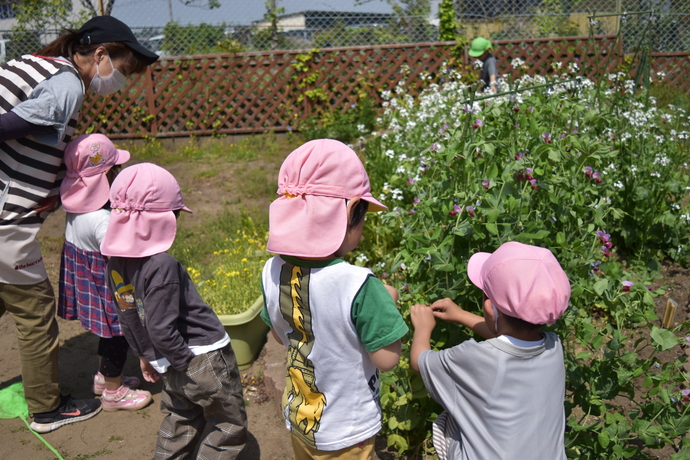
339, 323
41, 95
503, 397
481, 49
92, 162
176, 335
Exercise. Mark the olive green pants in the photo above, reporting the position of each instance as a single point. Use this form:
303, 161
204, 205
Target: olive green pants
32, 307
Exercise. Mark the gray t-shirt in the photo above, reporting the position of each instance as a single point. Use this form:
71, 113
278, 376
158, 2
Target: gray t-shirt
160, 310
489, 68
507, 400
52, 103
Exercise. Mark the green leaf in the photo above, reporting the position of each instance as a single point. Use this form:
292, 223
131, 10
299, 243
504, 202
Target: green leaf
604, 439
392, 423
492, 216
560, 238
493, 172
492, 228
663, 339
539, 235
601, 286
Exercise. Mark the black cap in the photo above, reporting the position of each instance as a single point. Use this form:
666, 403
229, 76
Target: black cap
106, 29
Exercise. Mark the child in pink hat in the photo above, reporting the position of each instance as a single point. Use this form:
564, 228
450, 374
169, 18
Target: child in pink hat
176, 335
91, 162
339, 323
503, 397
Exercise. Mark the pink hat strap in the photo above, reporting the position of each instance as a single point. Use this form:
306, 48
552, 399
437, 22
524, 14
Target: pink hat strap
74, 175
134, 207
332, 191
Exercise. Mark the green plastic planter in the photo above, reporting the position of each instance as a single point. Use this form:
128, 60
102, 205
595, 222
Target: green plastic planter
247, 333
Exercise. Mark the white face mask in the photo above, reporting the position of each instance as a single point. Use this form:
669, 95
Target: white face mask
110, 84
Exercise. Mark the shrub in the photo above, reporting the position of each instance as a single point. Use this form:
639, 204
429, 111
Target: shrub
596, 173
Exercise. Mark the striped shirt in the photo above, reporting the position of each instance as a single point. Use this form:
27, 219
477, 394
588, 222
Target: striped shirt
30, 171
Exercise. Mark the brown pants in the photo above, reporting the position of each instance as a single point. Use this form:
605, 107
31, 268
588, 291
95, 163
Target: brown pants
361, 451
207, 397
32, 307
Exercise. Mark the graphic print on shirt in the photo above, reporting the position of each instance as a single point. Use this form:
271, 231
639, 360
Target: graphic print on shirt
124, 296
304, 402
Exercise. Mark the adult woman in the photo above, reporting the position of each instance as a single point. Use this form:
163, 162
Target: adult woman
40, 97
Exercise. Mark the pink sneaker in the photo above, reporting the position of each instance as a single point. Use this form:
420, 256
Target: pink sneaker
99, 382
124, 399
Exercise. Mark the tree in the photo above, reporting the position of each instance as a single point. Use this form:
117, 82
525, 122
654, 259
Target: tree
448, 25
98, 7
42, 15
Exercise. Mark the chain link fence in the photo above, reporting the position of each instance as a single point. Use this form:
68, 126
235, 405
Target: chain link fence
190, 27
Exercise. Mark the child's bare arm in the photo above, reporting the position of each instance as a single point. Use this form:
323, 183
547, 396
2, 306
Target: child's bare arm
276, 336
448, 310
386, 358
424, 322
393, 292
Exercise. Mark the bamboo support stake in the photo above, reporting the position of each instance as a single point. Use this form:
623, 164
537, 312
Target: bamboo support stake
669, 313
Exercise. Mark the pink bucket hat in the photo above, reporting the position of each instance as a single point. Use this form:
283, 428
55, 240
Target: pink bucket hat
142, 223
310, 218
87, 158
523, 281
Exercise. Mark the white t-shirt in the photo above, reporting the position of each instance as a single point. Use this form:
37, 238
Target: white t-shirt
86, 231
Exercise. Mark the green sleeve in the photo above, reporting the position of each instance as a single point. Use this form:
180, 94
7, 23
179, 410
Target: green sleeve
264, 311
376, 317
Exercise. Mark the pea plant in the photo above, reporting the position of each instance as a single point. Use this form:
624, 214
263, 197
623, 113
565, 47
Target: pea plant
597, 173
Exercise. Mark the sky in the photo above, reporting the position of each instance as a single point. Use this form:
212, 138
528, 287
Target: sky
148, 13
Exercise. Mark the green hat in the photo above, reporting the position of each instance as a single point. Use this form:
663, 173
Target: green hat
479, 45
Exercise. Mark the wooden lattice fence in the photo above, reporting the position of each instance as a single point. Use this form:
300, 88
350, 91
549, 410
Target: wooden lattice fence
256, 92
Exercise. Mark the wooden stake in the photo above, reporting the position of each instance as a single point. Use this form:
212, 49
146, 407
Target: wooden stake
669, 313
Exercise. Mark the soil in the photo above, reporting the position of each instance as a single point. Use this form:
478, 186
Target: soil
208, 189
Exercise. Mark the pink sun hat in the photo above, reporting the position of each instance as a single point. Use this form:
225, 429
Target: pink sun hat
142, 223
87, 158
523, 281
310, 217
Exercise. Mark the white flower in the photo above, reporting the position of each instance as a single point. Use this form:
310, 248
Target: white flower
362, 258
618, 184
655, 174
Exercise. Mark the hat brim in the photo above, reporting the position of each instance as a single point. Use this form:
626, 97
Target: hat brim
476, 53
149, 56
307, 226
474, 268
139, 233
374, 204
123, 157
84, 194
